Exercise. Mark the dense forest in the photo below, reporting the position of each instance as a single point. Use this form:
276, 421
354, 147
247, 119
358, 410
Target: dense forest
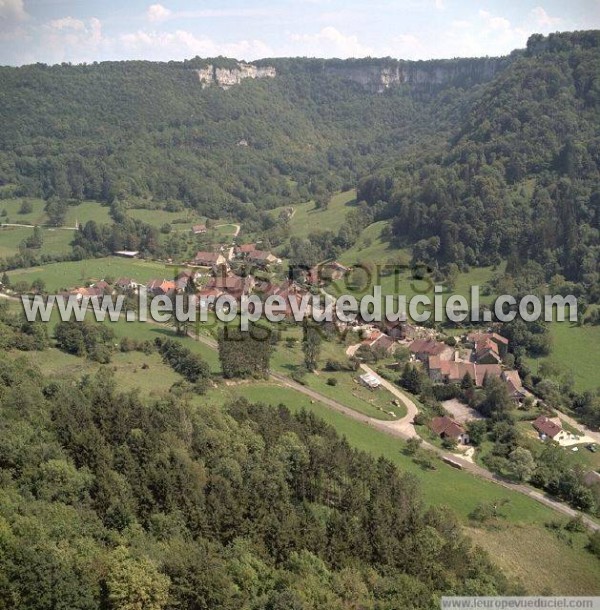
518, 180
110, 501
149, 130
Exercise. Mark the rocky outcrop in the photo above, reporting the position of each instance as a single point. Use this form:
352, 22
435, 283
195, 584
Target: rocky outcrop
378, 76
374, 75
228, 77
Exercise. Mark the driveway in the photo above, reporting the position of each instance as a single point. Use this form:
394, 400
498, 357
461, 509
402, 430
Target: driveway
460, 411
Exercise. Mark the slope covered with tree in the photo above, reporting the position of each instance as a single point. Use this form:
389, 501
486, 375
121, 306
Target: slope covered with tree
519, 178
470, 160
109, 502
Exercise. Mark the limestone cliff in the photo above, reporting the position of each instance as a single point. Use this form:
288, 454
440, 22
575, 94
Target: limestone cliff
379, 75
227, 77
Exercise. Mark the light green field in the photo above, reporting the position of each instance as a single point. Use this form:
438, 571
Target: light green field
129, 374
157, 218
56, 241
143, 331
374, 403
371, 247
76, 273
86, 211
36, 216
81, 213
307, 219
224, 230
575, 349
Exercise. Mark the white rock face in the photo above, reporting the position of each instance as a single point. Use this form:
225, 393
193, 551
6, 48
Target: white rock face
228, 77
377, 78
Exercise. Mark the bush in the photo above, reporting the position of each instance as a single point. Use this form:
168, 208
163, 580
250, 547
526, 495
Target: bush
421, 419
26, 207
413, 445
449, 443
332, 381
299, 377
336, 365
575, 524
594, 544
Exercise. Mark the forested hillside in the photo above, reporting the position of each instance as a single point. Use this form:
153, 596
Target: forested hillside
112, 502
519, 179
150, 130
471, 160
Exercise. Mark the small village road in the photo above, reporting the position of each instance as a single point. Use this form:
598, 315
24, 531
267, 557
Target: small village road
404, 429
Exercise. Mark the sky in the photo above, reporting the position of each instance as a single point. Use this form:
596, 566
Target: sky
55, 31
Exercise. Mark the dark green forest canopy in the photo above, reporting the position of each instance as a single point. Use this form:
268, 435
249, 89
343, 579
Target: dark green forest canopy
519, 179
107, 498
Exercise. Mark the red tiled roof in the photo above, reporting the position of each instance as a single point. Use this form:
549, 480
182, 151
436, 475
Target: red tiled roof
446, 426
427, 346
546, 426
491, 370
208, 257
495, 337
162, 285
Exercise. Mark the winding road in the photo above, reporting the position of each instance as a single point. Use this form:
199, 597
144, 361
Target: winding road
403, 428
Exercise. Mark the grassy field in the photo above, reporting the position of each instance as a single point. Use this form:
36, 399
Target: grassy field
372, 247
225, 230
575, 349
82, 212
36, 216
144, 331
56, 241
308, 219
543, 562
86, 211
77, 273
129, 374
158, 218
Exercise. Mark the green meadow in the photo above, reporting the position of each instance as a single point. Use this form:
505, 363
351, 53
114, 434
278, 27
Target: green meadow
575, 350
55, 241
308, 219
70, 274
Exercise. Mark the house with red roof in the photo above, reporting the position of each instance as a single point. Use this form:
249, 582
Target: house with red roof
549, 428
160, 287
445, 427
422, 349
210, 259
484, 341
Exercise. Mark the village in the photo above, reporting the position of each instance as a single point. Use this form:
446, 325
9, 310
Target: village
467, 360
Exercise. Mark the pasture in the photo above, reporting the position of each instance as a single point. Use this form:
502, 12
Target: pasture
55, 241
575, 350
58, 276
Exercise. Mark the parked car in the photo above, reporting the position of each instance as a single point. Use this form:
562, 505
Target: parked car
591, 447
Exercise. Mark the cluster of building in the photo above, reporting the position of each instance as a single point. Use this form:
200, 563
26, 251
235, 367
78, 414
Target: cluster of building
480, 355
248, 253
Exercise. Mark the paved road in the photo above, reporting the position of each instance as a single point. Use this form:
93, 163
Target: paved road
584, 430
